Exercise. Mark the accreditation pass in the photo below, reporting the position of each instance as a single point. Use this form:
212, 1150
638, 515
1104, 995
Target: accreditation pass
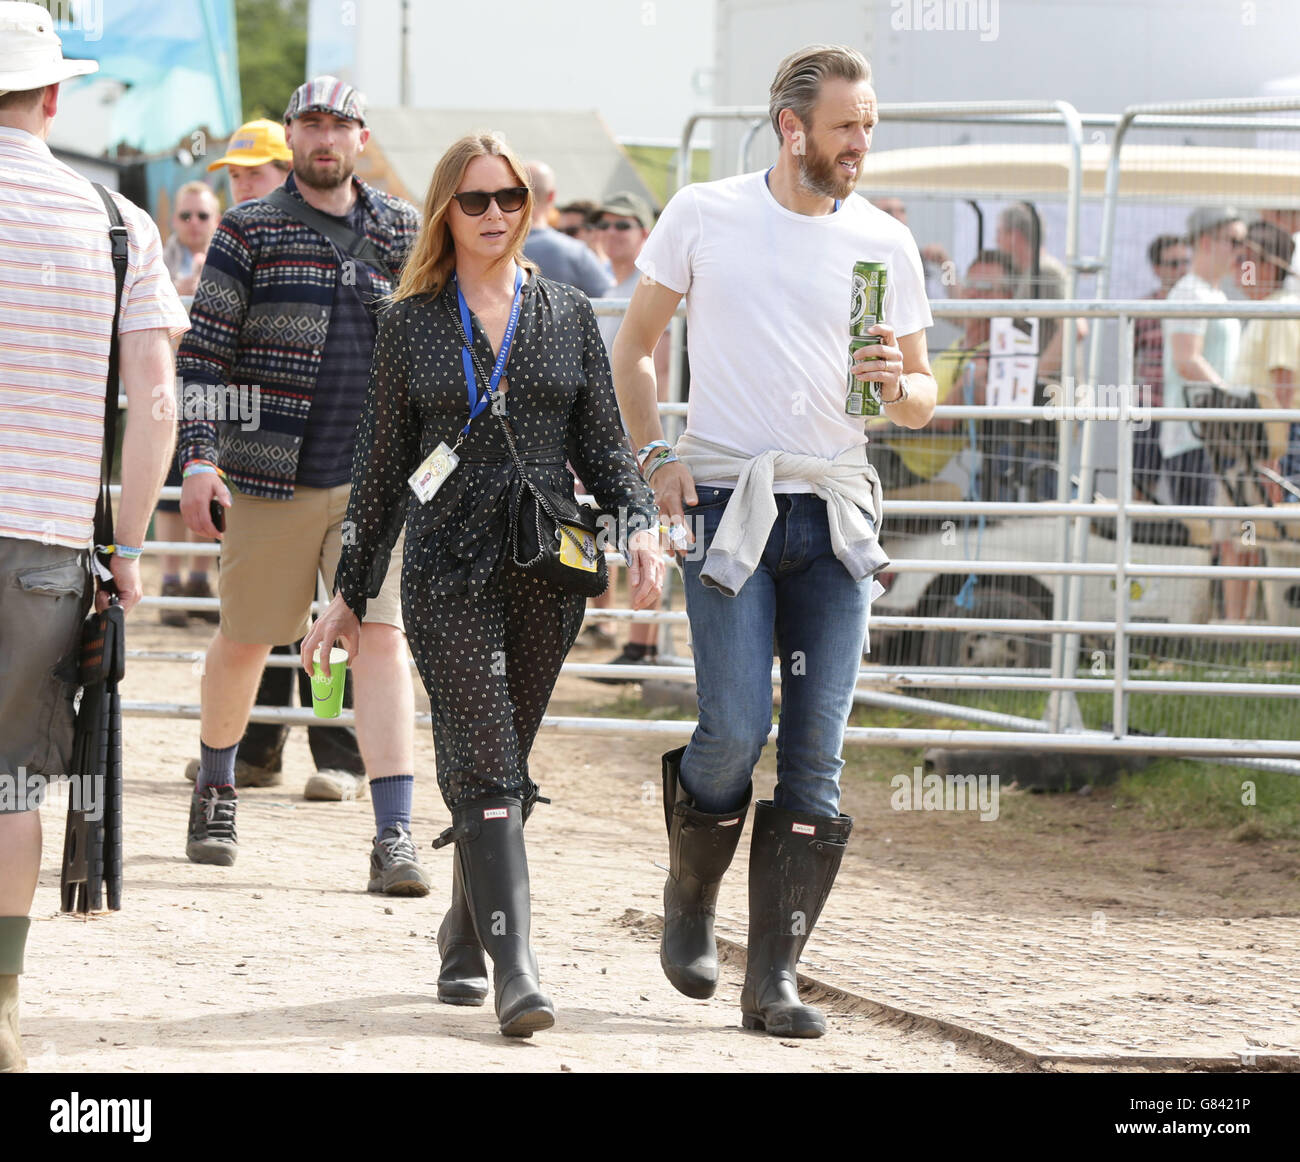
428, 477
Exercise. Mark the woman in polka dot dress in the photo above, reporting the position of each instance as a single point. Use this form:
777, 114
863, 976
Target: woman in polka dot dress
488, 639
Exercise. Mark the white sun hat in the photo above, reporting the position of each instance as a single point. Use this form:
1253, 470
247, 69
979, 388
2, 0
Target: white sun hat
31, 53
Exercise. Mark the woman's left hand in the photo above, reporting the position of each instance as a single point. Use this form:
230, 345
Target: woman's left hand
645, 568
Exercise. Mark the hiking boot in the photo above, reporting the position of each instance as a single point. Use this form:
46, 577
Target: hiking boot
336, 787
394, 867
199, 587
212, 826
176, 618
246, 775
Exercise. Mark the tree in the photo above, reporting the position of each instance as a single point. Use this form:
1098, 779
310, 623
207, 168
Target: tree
272, 38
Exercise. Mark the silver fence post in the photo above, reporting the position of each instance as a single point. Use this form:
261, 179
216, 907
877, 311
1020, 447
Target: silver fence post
1124, 488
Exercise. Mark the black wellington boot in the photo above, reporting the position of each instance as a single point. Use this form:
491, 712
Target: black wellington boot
793, 860
700, 849
462, 969
489, 836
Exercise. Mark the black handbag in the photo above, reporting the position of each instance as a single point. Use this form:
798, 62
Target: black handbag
551, 537
554, 537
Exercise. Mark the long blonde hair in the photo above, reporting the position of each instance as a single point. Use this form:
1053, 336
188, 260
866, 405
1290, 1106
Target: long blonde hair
432, 260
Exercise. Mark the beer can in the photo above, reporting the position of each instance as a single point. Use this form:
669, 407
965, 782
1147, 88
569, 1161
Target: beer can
866, 309
867, 304
863, 399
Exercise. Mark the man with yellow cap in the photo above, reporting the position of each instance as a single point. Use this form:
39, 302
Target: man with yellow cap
257, 160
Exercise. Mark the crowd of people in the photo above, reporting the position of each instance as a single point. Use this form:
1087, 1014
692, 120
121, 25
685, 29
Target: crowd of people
1177, 362
386, 460
390, 464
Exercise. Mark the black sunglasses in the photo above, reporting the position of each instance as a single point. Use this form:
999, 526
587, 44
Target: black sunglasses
621, 224
201, 215
571, 231
476, 202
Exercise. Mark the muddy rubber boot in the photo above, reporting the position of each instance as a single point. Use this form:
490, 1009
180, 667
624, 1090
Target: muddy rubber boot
793, 860
462, 971
700, 849
13, 942
489, 836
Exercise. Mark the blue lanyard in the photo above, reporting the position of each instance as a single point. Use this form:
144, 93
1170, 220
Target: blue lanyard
766, 181
478, 401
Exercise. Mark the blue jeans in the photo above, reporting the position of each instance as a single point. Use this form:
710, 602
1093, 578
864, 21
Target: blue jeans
801, 595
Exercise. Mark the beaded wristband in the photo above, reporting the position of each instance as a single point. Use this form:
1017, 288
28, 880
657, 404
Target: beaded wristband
642, 453
670, 458
650, 469
128, 552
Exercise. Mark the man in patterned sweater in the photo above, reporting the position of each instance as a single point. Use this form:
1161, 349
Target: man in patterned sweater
275, 369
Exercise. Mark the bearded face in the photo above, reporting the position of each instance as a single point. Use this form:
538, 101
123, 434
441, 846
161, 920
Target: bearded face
325, 149
829, 175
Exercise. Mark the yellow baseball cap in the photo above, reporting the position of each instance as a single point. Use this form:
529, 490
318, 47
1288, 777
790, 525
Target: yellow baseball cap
255, 143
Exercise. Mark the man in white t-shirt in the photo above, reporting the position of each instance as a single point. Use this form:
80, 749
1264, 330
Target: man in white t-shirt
1201, 353
765, 261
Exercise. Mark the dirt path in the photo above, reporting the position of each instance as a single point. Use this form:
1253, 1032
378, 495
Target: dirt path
284, 962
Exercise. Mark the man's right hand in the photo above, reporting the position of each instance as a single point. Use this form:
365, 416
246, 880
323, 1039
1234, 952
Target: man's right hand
197, 494
674, 490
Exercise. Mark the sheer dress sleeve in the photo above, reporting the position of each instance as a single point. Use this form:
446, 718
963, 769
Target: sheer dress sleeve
387, 452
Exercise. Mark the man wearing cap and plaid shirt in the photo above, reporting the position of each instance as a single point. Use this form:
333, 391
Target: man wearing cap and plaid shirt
257, 161
284, 318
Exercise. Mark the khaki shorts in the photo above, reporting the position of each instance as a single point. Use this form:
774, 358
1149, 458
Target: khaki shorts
271, 555
45, 591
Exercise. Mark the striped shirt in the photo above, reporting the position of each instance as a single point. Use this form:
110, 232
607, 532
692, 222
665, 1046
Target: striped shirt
56, 306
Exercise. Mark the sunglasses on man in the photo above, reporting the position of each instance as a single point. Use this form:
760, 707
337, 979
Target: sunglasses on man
201, 215
475, 202
621, 225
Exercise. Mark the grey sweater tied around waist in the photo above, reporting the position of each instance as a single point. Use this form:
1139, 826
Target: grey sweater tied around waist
848, 484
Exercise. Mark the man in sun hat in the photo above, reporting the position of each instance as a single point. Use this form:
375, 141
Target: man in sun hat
257, 159
55, 322
286, 309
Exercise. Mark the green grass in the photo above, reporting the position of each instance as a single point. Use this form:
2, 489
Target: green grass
1172, 794
629, 705
1169, 794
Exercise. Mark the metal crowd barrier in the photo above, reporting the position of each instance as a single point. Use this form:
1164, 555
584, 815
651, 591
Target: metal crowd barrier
1028, 733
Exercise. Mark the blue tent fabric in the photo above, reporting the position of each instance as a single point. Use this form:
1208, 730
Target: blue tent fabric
177, 57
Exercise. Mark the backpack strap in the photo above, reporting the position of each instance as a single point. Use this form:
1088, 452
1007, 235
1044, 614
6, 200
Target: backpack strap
104, 505
347, 240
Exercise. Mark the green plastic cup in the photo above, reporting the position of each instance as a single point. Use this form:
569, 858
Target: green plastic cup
327, 693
